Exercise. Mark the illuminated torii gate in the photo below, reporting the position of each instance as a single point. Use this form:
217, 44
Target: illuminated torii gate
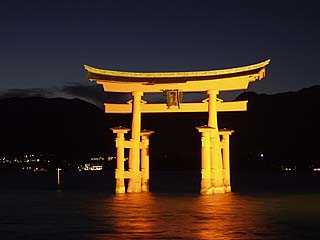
215, 173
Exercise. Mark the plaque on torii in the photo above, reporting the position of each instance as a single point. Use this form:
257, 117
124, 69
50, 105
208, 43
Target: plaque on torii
215, 172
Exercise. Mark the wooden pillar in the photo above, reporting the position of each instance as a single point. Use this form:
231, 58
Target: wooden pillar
134, 156
119, 172
145, 134
206, 184
226, 158
215, 153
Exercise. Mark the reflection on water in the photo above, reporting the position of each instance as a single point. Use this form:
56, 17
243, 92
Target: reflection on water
38, 212
228, 216
148, 216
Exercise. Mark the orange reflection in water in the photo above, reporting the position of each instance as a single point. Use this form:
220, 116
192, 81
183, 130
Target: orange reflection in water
229, 216
134, 214
150, 216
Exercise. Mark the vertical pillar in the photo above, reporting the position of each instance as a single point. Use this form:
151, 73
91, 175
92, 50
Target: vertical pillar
134, 156
58, 176
119, 172
226, 158
206, 185
145, 134
216, 158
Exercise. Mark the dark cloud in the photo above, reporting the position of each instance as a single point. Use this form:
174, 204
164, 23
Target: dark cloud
94, 94
90, 93
31, 92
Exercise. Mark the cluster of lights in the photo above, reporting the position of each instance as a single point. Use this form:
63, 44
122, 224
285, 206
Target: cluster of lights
97, 159
111, 158
287, 169
31, 158
90, 167
97, 166
292, 167
36, 169
27, 162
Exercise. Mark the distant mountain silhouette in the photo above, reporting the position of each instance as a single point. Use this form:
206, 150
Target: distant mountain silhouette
283, 127
68, 128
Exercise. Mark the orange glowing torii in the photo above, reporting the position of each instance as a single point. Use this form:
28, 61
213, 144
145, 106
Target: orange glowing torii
215, 173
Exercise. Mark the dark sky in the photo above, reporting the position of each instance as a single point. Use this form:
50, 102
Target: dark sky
44, 44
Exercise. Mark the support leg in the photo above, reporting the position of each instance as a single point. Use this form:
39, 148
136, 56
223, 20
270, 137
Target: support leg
216, 157
134, 161
206, 186
119, 172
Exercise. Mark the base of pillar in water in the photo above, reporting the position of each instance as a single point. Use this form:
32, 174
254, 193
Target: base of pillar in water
206, 187
145, 186
134, 185
120, 187
121, 190
206, 191
218, 190
227, 188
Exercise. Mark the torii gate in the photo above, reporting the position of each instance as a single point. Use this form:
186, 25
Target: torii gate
215, 166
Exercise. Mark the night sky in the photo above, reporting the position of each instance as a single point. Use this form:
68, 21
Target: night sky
44, 44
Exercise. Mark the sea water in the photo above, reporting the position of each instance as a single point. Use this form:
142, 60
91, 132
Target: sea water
261, 206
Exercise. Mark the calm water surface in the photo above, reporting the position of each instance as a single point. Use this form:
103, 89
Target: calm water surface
84, 207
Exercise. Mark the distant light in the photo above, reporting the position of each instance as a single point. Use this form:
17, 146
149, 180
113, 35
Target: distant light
261, 155
111, 158
316, 169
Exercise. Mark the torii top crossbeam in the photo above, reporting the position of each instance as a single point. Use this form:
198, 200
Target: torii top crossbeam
193, 81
